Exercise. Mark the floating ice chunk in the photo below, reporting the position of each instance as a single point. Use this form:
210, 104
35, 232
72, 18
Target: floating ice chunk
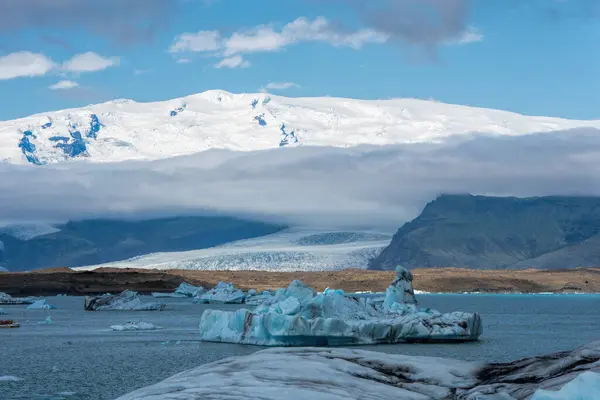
6, 298
127, 300
223, 293
9, 378
134, 326
47, 321
585, 386
189, 290
40, 305
299, 316
2, 312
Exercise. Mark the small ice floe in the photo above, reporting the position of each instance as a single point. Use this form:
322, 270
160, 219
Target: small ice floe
10, 378
298, 316
40, 305
134, 326
223, 293
127, 300
341, 373
183, 290
47, 321
170, 342
67, 394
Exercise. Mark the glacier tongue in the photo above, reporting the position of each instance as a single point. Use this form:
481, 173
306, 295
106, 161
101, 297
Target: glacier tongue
299, 316
125, 130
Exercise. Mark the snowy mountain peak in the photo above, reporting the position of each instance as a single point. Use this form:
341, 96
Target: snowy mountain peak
124, 129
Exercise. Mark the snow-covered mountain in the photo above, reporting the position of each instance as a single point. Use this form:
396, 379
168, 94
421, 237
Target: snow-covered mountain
123, 129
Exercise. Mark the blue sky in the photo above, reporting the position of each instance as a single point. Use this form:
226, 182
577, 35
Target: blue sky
536, 57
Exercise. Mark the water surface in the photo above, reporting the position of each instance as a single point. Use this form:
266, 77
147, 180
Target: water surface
79, 353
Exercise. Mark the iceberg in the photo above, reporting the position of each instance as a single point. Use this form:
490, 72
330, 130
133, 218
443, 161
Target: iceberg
585, 386
341, 374
183, 290
299, 316
134, 326
2, 312
40, 305
7, 299
253, 298
127, 300
223, 293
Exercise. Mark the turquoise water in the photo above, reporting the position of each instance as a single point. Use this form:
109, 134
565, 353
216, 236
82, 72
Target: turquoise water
78, 353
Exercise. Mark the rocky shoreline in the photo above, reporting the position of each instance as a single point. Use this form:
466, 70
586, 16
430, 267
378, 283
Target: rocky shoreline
435, 280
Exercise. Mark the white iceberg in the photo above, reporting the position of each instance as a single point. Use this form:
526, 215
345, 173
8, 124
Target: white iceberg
183, 290
223, 293
40, 305
7, 299
585, 386
134, 326
127, 300
299, 316
342, 374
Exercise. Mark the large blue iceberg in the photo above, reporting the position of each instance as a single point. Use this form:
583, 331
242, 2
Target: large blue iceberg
299, 316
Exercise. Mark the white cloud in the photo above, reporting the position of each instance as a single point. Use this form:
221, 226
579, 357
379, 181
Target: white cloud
233, 62
24, 64
183, 60
265, 38
471, 35
280, 86
64, 85
197, 42
89, 62
374, 186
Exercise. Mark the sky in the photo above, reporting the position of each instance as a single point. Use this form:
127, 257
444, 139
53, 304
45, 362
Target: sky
536, 57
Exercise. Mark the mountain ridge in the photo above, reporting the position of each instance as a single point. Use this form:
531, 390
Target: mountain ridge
548, 232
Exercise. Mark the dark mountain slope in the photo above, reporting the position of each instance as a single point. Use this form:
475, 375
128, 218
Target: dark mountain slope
498, 232
89, 242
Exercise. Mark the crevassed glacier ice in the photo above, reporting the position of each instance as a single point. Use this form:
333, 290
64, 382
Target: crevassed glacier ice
134, 326
40, 305
223, 293
585, 386
183, 290
127, 300
299, 316
346, 374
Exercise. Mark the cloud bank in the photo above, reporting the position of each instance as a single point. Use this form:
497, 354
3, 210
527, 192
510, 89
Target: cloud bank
366, 186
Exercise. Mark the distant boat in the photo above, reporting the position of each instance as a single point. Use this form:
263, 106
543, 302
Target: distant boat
9, 323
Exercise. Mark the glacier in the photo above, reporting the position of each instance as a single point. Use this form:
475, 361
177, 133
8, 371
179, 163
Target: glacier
294, 249
127, 130
223, 293
341, 374
299, 316
128, 300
